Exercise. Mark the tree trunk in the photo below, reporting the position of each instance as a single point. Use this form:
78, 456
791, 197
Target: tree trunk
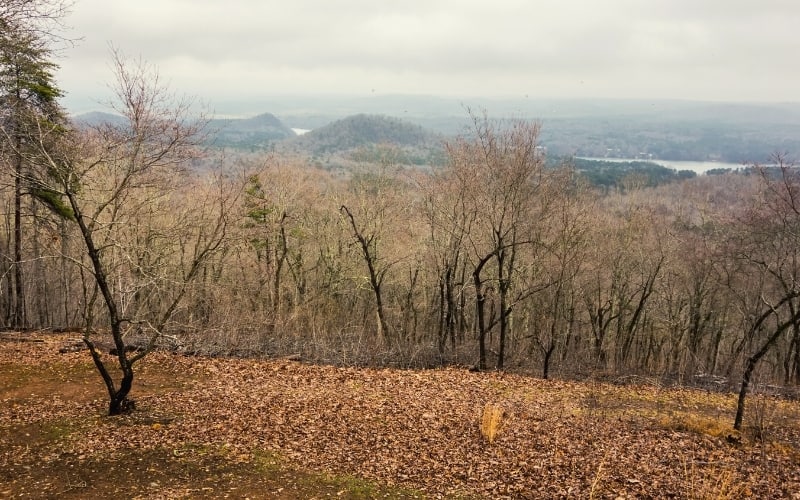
18, 320
748, 372
441, 334
548, 355
480, 311
753, 360
119, 403
503, 286
375, 278
793, 357
281, 251
118, 398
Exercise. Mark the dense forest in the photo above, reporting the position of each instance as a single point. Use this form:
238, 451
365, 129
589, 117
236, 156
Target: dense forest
490, 257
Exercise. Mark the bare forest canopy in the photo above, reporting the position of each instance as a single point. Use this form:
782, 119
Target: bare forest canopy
499, 257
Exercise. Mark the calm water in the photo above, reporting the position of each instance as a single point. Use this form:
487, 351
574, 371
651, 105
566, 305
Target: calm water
699, 167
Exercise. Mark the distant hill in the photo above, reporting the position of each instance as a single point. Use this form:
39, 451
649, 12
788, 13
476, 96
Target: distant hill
360, 130
667, 129
259, 132
661, 129
360, 136
95, 118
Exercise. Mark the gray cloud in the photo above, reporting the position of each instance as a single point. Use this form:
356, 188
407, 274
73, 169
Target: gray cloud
710, 49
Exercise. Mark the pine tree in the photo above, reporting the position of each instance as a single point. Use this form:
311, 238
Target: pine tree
28, 103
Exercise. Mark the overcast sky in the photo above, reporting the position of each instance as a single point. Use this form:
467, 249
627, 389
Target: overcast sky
223, 50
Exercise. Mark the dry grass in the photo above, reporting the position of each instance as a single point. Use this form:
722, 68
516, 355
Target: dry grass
700, 424
714, 483
491, 421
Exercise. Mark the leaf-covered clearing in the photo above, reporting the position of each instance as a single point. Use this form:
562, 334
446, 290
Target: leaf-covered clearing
235, 428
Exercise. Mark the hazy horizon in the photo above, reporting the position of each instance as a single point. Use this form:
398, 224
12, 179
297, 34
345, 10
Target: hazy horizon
714, 50
417, 107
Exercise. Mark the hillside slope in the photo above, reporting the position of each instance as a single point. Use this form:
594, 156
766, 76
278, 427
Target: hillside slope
203, 422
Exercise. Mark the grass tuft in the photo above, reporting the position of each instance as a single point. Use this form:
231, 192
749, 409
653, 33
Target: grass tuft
700, 424
491, 421
714, 483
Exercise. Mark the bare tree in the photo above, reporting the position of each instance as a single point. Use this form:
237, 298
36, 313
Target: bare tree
449, 223
368, 245
282, 209
269, 216
501, 170
564, 247
40, 18
118, 181
765, 247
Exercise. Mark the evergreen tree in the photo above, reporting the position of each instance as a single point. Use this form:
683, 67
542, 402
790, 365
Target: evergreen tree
28, 104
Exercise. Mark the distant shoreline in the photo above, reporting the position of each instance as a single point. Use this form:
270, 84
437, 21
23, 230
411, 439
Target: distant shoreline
699, 167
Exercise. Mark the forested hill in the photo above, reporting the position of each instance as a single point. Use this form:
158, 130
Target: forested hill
259, 132
368, 138
360, 138
362, 130
256, 133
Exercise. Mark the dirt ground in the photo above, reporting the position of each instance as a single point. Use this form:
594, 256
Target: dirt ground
215, 428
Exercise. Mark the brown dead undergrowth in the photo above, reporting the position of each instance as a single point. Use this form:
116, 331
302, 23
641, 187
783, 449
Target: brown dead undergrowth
217, 428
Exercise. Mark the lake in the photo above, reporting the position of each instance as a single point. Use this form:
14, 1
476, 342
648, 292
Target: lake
699, 167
